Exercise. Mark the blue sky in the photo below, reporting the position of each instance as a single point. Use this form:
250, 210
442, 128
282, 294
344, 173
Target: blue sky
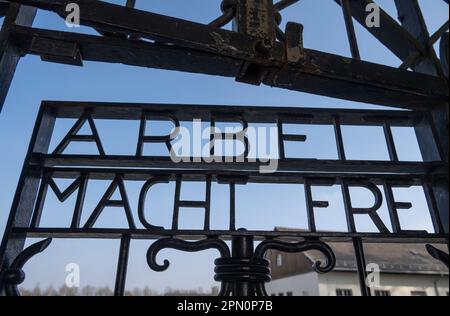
258, 205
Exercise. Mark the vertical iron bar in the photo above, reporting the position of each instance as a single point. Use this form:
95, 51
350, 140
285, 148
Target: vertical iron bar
411, 17
140, 144
361, 265
348, 206
412, 20
27, 190
393, 214
40, 201
232, 206
176, 203
9, 54
208, 204
242, 247
79, 202
390, 142
281, 149
436, 144
350, 29
309, 206
339, 139
212, 137
122, 265
433, 208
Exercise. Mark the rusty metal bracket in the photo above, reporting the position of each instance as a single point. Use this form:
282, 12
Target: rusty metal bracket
57, 51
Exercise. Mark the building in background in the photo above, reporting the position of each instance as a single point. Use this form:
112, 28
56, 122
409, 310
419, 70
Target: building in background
405, 270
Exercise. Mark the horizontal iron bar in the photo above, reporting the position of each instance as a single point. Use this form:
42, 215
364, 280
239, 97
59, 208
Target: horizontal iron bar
117, 50
253, 114
103, 233
319, 73
350, 79
298, 165
223, 176
116, 18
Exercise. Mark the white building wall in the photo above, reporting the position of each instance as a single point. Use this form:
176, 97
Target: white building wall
299, 285
313, 284
397, 284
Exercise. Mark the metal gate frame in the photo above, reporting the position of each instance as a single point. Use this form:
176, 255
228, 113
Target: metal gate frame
255, 52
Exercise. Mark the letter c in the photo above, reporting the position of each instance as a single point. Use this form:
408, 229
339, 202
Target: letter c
143, 195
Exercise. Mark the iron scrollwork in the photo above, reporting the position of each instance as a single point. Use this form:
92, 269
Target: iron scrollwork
298, 247
290, 247
14, 275
188, 246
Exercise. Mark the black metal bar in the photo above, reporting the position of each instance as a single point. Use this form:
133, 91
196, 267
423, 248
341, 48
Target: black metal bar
433, 138
348, 207
232, 206
207, 204
439, 33
339, 139
109, 17
310, 204
281, 148
254, 114
40, 200
352, 80
390, 142
79, 202
350, 29
434, 209
9, 54
390, 33
361, 265
146, 234
176, 206
290, 164
219, 175
412, 20
122, 264
27, 190
393, 214
242, 248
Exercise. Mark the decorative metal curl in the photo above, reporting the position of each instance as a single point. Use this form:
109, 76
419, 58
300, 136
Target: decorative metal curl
183, 245
228, 8
307, 245
194, 246
14, 275
438, 254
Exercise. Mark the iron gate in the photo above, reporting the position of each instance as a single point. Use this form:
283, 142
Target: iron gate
257, 51
242, 270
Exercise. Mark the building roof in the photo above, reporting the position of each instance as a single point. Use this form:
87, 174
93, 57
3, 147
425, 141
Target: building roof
391, 258
395, 258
